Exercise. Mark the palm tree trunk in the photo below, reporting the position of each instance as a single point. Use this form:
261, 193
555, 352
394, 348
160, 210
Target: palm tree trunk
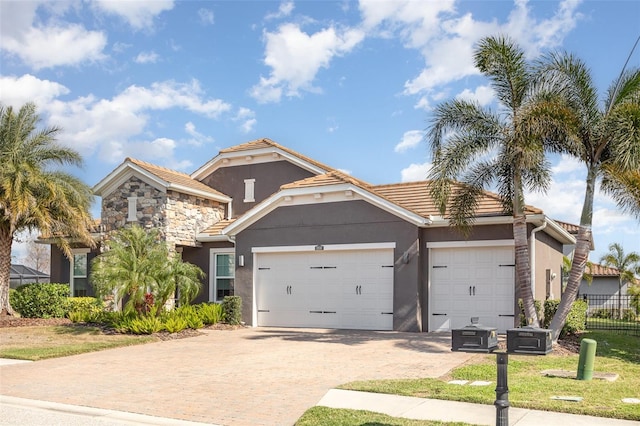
580, 257
6, 239
523, 271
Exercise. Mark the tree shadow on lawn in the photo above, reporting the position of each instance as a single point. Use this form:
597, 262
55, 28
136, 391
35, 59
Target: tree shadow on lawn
77, 330
419, 342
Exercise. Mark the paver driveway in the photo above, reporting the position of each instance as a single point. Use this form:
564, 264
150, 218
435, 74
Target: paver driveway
258, 376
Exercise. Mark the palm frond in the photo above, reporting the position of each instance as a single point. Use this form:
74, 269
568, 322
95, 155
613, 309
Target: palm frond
503, 61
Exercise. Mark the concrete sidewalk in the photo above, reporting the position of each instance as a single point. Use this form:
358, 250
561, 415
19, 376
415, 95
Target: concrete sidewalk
29, 412
451, 411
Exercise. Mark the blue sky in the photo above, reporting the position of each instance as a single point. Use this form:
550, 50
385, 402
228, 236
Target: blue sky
348, 83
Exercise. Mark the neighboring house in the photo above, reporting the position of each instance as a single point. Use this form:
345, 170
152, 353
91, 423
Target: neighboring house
604, 287
305, 245
20, 274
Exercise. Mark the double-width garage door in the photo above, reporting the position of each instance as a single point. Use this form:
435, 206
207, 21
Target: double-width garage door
350, 289
471, 282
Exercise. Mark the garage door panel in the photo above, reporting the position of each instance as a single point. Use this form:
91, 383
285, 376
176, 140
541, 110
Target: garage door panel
330, 289
471, 282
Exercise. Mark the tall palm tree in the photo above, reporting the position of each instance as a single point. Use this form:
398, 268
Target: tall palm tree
628, 266
34, 195
479, 148
609, 142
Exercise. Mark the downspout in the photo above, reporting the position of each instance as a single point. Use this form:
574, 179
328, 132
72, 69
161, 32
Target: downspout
532, 255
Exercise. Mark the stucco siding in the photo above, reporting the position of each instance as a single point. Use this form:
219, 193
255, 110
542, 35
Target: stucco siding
200, 256
548, 253
269, 177
350, 222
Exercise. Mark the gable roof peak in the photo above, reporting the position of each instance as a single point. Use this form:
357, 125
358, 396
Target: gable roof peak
258, 150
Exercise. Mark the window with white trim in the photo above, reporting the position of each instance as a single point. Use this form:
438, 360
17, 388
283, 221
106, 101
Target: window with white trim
78, 276
223, 270
132, 209
249, 189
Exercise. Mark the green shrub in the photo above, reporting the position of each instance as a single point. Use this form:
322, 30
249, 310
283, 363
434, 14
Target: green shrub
145, 324
210, 313
628, 315
575, 320
84, 309
46, 300
175, 323
119, 321
523, 318
601, 313
190, 315
232, 308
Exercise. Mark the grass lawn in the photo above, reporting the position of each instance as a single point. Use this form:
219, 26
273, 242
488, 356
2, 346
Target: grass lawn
615, 353
41, 342
325, 416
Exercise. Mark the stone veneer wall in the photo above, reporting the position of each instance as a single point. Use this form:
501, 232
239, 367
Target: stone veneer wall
187, 215
150, 206
178, 216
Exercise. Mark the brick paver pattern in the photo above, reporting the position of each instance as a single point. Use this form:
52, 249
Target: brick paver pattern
261, 376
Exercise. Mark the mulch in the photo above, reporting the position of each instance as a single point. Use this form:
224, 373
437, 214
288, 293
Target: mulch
12, 321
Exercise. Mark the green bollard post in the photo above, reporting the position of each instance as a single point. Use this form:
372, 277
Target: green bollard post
586, 360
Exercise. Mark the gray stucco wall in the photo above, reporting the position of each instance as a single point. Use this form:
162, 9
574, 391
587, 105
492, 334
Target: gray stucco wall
59, 266
349, 222
269, 178
200, 256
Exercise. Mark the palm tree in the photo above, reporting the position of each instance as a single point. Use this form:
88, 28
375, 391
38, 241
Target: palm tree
136, 263
180, 278
628, 266
609, 138
33, 195
479, 148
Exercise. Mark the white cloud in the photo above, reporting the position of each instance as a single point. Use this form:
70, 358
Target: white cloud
247, 117
295, 58
109, 126
16, 91
46, 45
415, 172
568, 164
285, 9
146, 58
139, 14
446, 39
483, 95
410, 139
197, 138
206, 16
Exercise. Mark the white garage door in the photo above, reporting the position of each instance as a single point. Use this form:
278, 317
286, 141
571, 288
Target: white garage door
471, 282
350, 289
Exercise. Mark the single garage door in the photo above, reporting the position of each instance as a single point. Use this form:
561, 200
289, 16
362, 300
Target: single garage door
351, 289
471, 282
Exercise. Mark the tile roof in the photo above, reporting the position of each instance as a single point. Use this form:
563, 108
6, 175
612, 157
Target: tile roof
333, 177
598, 270
216, 228
415, 196
336, 177
569, 227
175, 177
268, 143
